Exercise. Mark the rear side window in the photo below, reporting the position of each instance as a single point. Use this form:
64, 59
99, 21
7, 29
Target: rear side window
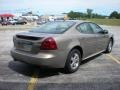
85, 28
53, 27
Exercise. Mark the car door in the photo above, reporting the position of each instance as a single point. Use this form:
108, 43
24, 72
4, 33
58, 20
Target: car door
102, 39
87, 39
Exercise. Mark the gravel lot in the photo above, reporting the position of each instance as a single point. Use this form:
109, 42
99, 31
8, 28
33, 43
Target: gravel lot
101, 72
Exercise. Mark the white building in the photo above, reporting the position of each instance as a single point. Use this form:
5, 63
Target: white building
54, 17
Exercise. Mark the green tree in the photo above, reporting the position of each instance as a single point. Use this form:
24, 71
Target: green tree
30, 12
73, 15
95, 15
114, 14
119, 16
89, 12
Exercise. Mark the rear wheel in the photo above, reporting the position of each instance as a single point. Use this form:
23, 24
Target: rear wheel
73, 61
109, 47
14, 59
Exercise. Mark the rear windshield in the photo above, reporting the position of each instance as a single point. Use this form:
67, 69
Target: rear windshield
53, 27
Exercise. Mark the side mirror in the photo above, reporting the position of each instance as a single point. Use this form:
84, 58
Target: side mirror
104, 32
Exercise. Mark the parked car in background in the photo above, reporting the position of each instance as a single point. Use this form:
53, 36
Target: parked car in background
5, 23
13, 22
61, 44
0, 21
41, 22
20, 22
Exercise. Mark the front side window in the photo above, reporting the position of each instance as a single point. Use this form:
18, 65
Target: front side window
85, 28
96, 28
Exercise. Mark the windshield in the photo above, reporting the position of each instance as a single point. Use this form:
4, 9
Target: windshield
53, 27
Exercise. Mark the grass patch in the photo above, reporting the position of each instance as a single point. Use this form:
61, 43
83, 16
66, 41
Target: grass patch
112, 22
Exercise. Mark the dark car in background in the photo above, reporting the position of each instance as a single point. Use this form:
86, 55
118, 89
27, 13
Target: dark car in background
0, 21
5, 23
20, 22
13, 22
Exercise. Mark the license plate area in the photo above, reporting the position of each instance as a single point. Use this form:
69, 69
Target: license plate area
24, 45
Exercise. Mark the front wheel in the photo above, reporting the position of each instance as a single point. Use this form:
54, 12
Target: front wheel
73, 61
109, 47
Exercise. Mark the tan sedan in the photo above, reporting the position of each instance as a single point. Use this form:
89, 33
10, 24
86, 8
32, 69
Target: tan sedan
61, 44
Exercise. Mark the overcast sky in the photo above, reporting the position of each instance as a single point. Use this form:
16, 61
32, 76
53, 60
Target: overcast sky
104, 7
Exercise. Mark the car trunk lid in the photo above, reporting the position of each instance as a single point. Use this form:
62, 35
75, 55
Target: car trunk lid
31, 42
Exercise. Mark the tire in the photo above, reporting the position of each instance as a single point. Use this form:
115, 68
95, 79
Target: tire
109, 46
13, 23
15, 59
73, 61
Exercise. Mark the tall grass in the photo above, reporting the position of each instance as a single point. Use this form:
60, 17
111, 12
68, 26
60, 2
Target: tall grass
112, 22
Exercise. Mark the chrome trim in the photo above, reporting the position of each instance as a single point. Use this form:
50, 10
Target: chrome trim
93, 55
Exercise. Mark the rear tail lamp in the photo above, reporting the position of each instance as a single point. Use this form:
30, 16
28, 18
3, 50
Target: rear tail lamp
49, 44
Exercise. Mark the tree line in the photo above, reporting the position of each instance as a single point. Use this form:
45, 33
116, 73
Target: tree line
89, 15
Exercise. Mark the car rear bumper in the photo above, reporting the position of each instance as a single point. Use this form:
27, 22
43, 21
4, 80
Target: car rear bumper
41, 59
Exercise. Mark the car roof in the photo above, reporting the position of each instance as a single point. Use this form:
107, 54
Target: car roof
76, 21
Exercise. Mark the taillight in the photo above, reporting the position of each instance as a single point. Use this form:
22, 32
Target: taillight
48, 44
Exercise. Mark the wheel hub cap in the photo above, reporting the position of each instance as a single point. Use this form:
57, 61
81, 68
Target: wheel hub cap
74, 61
